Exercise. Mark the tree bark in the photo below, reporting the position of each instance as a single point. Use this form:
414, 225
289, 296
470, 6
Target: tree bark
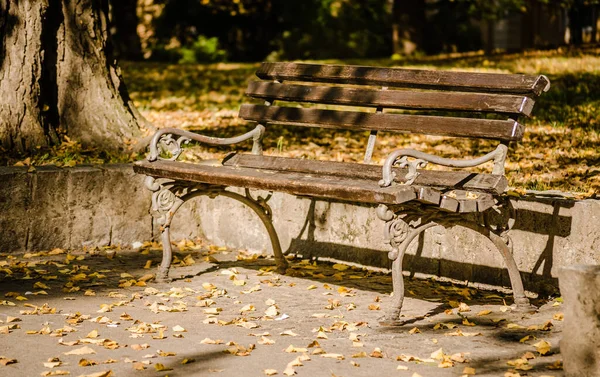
408, 22
125, 21
57, 76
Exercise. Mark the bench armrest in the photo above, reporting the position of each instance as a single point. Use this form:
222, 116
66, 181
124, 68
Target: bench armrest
163, 139
400, 158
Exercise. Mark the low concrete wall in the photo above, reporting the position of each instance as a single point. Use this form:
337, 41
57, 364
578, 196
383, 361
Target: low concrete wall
101, 205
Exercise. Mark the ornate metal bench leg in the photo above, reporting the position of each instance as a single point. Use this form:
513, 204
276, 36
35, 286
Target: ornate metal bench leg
162, 275
164, 205
399, 234
505, 248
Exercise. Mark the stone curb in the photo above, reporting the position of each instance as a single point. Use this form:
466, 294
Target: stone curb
108, 205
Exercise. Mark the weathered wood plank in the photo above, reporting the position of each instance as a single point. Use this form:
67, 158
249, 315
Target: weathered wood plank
354, 190
495, 184
506, 130
409, 78
395, 99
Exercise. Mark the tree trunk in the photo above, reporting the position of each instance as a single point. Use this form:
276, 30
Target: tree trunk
576, 17
125, 21
408, 22
57, 76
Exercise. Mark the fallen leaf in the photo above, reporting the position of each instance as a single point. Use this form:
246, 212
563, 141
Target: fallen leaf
543, 347
265, 341
337, 356
55, 373
272, 311
270, 372
7, 361
469, 371
462, 307
87, 363
211, 341
482, 313
292, 349
161, 368
288, 333
81, 351
414, 330
92, 334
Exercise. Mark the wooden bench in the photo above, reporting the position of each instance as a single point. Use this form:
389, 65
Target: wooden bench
407, 198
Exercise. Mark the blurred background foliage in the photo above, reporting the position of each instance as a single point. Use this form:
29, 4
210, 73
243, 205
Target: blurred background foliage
190, 31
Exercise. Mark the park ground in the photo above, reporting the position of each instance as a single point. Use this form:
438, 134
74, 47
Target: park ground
559, 151
228, 313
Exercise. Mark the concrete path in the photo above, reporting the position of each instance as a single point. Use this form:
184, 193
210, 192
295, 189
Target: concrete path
229, 314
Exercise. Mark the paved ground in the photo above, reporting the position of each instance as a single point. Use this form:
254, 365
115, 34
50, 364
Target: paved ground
227, 314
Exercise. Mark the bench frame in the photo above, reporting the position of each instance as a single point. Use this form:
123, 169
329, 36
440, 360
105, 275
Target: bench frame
492, 217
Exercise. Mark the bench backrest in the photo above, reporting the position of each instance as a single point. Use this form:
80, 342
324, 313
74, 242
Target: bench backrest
509, 95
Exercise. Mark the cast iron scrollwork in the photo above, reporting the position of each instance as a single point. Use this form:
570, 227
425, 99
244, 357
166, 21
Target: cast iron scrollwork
400, 158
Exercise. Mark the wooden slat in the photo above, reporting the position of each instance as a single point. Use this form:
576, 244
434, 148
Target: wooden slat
354, 190
495, 184
506, 130
408, 78
396, 99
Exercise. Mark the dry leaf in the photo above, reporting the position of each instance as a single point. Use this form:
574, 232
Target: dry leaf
81, 351
7, 361
462, 307
92, 334
265, 341
483, 312
161, 368
543, 347
270, 372
469, 371
55, 373
178, 328
272, 311
414, 330
337, 356
288, 333
211, 341
87, 363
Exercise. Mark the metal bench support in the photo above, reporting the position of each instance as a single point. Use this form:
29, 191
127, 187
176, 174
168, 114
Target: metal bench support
404, 224
169, 196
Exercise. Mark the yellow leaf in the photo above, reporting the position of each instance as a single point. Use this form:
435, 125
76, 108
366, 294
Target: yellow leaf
179, 329
211, 341
270, 372
462, 307
187, 361
484, 312
161, 368
340, 267
40, 285
414, 330
543, 347
81, 351
87, 363
288, 333
469, 371
7, 361
337, 356
148, 264
92, 334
